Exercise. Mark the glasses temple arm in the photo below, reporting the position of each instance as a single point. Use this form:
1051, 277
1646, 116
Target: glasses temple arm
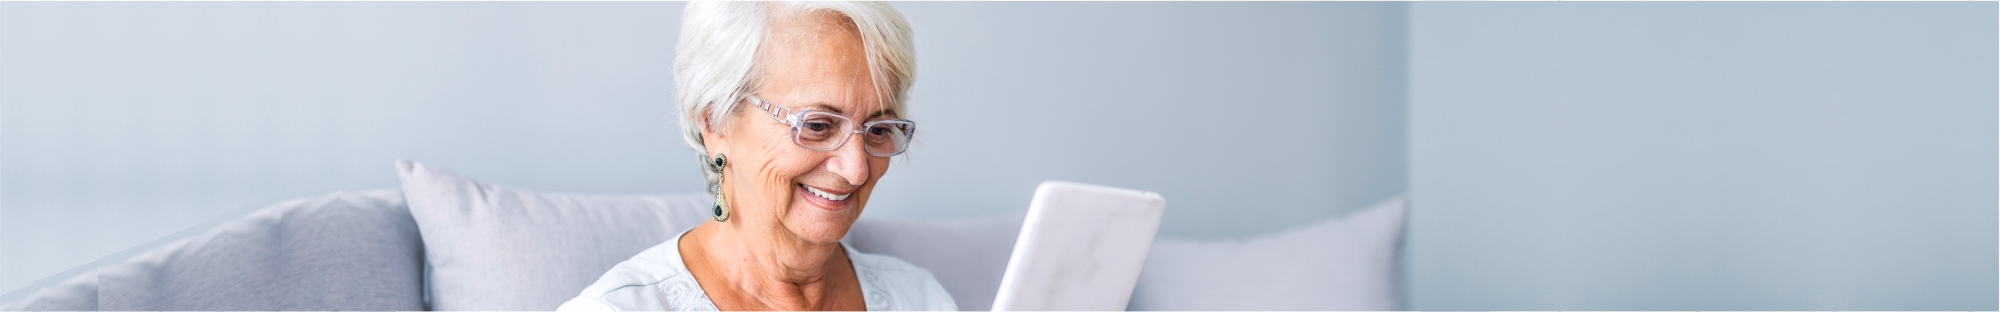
773, 109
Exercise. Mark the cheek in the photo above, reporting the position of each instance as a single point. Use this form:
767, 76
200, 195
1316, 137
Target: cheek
780, 173
877, 167
771, 165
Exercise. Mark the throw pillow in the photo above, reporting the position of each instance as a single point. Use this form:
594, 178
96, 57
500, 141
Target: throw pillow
497, 248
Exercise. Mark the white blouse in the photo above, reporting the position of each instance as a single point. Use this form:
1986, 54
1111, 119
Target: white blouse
657, 280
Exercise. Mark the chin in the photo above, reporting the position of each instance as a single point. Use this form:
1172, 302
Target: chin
821, 233
824, 227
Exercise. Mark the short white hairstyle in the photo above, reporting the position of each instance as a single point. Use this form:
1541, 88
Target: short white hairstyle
716, 65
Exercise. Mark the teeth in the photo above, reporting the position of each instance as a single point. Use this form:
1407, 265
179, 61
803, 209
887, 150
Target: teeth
824, 194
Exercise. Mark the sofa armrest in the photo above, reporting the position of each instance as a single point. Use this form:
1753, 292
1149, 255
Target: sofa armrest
339, 251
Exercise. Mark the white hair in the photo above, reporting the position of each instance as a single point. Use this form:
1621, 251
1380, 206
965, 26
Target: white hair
716, 65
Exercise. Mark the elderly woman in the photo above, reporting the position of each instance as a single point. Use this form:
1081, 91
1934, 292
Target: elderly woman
796, 109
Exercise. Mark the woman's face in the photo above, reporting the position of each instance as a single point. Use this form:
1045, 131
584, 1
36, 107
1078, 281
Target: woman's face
813, 63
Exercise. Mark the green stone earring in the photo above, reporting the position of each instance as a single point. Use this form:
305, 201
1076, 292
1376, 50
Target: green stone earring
721, 211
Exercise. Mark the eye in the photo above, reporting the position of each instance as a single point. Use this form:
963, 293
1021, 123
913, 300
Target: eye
884, 133
816, 129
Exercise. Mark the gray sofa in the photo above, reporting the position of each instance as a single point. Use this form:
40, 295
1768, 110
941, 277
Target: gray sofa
364, 251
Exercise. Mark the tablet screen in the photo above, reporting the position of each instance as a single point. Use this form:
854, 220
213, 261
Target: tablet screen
1080, 249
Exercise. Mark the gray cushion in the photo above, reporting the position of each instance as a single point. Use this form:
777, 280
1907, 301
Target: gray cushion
498, 248
340, 251
1346, 263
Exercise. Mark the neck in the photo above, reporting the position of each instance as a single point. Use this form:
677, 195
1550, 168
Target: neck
765, 268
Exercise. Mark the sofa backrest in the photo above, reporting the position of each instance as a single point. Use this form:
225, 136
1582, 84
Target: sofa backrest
1347, 263
967, 256
339, 251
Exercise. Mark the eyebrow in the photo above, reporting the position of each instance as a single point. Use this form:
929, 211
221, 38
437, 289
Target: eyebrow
825, 107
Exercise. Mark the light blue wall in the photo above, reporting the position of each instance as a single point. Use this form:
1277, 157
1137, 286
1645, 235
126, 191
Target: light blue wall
1248, 117
124, 122
1703, 156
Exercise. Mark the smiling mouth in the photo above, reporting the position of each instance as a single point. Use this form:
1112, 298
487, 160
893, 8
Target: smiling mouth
824, 194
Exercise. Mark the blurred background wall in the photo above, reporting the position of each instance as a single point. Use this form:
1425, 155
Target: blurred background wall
1703, 156
1614, 156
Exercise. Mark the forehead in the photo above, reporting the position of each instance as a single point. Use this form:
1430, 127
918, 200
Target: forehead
818, 60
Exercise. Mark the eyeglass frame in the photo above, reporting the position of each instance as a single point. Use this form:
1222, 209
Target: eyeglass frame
792, 118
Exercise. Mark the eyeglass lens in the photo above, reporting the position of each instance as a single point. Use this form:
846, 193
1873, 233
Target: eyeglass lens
826, 131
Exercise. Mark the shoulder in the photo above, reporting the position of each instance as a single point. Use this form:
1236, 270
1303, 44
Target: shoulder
653, 280
903, 286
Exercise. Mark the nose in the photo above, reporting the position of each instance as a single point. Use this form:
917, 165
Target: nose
850, 162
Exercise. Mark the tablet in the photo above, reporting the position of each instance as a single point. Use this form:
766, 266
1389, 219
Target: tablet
1080, 249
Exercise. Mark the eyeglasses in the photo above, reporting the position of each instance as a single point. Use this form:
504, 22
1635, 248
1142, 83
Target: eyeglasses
825, 131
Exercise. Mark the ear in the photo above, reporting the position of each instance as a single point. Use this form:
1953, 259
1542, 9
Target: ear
710, 138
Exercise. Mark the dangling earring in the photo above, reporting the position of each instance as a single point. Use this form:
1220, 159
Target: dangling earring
721, 212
